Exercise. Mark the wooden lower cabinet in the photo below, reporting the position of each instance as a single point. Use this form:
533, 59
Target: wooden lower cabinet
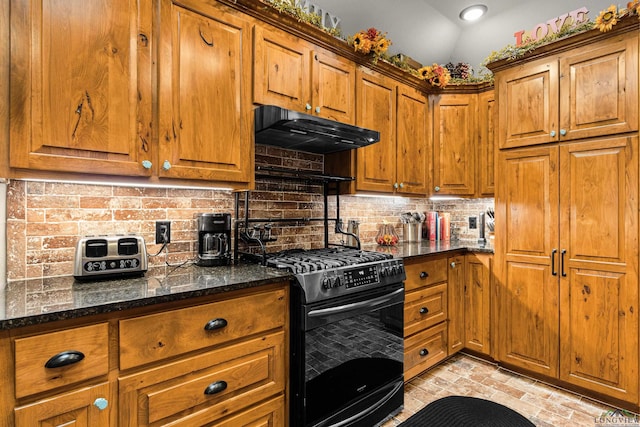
425, 314
567, 264
477, 303
85, 407
205, 388
456, 302
234, 373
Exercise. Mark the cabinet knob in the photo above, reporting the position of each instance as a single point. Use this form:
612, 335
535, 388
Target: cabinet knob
563, 132
101, 403
424, 310
308, 106
453, 264
424, 352
146, 164
424, 275
395, 185
317, 109
402, 185
553, 133
437, 188
166, 165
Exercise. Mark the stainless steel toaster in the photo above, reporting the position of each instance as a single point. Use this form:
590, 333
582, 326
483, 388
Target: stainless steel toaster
102, 257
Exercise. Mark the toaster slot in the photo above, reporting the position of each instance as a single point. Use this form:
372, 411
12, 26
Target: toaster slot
128, 246
96, 248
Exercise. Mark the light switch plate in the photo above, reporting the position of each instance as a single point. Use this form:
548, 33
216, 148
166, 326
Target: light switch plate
473, 222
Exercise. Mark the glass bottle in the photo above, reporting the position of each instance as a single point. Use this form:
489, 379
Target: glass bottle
387, 235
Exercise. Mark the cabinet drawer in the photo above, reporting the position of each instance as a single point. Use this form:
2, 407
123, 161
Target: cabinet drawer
158, 336
424, 308
425, 273
90, 347
424, 349
236, 376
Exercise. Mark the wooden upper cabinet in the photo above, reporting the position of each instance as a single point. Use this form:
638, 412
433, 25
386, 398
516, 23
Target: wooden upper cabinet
81, 86
333, 87
599, 89
412, 160
485, 161
206, 116
454, 144
585, 92
376, 100
293, 74
281, 69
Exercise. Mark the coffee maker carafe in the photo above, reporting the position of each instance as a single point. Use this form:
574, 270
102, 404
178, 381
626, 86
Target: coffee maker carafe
214, 239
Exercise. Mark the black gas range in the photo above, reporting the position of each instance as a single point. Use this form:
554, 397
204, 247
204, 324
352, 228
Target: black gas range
347, 345
336, 272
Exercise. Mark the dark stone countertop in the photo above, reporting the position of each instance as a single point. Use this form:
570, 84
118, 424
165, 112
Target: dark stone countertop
409, 250
38, 301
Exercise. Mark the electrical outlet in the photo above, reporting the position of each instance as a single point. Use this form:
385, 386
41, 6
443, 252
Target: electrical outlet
163, 228
473, 222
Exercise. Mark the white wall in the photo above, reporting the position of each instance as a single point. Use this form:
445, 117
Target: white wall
477, 41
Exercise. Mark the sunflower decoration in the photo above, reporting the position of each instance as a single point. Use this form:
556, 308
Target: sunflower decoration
371, 41
633, 8
436, 75
607, 18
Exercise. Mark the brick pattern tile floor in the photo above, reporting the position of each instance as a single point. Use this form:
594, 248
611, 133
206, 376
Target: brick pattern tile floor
464, 375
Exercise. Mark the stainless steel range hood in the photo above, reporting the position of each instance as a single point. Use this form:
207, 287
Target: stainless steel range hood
304, 132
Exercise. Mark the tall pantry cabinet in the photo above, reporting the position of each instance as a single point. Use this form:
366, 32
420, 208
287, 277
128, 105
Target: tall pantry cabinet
566, 281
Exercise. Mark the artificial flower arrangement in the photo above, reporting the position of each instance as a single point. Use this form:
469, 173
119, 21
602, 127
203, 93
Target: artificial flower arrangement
610, 16
605, 21
436, 75
370, 42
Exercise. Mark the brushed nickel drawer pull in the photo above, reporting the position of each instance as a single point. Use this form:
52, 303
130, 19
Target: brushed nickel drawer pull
424, 352
63, 359
214, 324
216, 387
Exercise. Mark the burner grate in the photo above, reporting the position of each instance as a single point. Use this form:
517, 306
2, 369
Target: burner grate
301, 261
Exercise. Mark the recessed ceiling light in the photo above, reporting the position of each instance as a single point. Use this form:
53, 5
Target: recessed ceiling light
473, 13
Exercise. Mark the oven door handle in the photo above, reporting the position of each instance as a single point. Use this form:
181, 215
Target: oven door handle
394, 297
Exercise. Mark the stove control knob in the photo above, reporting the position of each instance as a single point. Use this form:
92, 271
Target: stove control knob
400, 269
326, 283
337, 282
394, 271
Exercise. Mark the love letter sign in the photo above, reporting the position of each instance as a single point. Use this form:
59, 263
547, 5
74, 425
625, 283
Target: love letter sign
554, 25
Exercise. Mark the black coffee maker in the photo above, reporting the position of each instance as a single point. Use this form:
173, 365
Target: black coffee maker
214, 239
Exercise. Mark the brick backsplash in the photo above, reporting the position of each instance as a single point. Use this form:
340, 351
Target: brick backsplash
46, 219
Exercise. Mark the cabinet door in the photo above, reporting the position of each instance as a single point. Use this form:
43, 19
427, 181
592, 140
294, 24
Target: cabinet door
454, 144
526, 239
599, 89
599, 270
456, 291
477, 302
281, 73
485, 163
206, 118
81, 86
528, 104
412, 161
333, 82
81, 408
376, 109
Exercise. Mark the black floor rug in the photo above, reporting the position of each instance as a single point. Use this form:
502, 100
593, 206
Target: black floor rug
460, 411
